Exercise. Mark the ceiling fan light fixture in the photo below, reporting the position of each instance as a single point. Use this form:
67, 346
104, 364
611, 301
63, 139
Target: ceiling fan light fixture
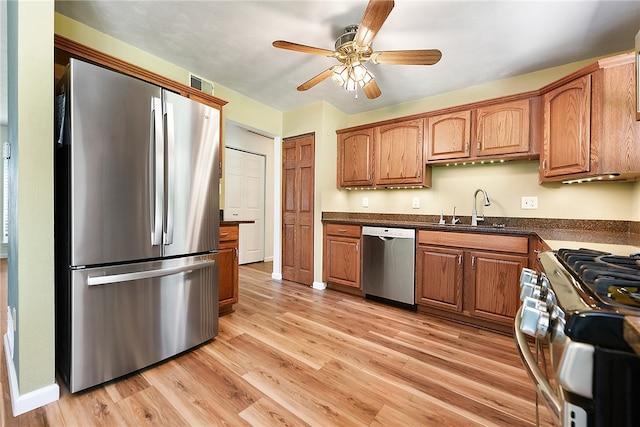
349, 76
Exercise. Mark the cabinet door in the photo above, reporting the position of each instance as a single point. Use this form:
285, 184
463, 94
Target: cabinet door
449, 136
355, 158
228, 279
439, 277
342, 260
494, 285
399, 153
503, 128
228, 271
566, 129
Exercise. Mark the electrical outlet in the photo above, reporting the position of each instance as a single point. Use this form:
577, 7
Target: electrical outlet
365, 202
529, 202
415, 203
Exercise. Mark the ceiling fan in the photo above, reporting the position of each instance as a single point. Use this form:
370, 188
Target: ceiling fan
353, 49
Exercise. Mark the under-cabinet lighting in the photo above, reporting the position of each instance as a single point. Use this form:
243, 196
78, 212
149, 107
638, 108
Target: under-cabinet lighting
609, 177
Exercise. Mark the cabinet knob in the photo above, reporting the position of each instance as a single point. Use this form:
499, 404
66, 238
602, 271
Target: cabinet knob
479, 145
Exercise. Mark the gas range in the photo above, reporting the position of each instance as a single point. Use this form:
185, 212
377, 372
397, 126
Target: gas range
574, 308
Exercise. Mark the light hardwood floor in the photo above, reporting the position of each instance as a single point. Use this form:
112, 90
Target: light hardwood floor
294, 356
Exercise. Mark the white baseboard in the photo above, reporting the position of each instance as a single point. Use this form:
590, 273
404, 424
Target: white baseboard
276, 276
268, 258
28, 401
319, 285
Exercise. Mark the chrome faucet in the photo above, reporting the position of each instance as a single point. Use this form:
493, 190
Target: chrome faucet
474, 212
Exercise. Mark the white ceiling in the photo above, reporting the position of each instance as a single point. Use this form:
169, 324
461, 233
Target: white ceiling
229, 42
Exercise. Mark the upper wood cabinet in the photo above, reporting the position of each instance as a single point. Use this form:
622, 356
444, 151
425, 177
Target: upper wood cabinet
503, 128
387, 155
567, 126
589, 124
399, 158
495, 130
355, 158
449, 135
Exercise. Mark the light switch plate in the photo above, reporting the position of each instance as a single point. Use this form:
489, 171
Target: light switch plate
365, 202
529, 202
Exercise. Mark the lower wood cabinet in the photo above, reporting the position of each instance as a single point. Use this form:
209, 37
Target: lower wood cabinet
228, 278
342, 257
470, 276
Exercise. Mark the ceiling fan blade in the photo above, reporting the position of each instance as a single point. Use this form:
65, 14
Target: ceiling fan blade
315, 80
281, 44
407, 57
372, 90
374, 16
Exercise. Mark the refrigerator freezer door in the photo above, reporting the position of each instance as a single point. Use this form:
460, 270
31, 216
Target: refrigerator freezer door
191, 196
126, 317
113, 193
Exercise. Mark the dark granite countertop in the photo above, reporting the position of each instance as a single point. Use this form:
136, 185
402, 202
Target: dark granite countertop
222, 223
625, 234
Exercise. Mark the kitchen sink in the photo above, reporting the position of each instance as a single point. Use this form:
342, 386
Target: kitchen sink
469, 226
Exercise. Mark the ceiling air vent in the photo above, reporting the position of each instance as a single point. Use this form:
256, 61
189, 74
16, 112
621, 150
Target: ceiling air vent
201, 84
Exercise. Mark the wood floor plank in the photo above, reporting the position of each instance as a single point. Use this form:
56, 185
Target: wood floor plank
191, 397
149, 408
267, 413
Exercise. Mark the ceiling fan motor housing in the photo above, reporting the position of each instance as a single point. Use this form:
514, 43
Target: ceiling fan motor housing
347, 37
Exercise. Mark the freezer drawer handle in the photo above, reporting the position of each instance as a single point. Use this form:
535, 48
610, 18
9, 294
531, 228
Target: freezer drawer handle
117, 278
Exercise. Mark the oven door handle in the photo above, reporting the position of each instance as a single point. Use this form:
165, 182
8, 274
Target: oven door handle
534, 371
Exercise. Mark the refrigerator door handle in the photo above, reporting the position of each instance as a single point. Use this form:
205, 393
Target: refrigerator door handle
125, 277
170, 190
156, 166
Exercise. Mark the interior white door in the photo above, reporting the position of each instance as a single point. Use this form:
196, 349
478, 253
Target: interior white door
244, 200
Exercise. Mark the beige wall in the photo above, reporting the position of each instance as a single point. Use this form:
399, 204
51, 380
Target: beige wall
31, 286
505, 183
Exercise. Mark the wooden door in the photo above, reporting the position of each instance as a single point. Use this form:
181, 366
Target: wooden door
398, 152
503, 128
298, 157
439, 274
494, 285
355, 158
449, 136
567, 129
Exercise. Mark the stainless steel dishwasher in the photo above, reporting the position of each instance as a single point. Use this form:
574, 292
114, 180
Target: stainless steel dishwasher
388, 264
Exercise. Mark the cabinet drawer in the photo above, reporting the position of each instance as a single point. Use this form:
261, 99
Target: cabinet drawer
343, 230
489, 242
228, 233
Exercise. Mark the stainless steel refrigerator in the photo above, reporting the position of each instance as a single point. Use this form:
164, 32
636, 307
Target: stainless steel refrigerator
136, 224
